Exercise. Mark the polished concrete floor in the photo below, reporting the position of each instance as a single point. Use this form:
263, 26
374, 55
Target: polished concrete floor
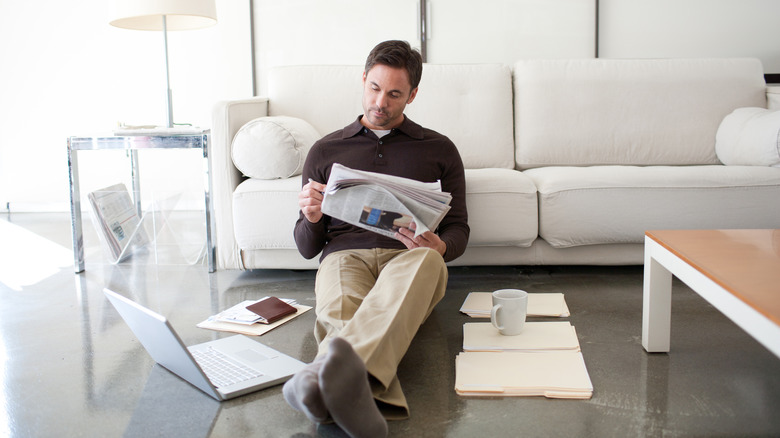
70, 367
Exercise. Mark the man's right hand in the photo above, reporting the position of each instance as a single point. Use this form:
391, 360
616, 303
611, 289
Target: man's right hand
310, 201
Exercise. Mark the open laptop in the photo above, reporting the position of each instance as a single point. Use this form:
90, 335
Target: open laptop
225, 368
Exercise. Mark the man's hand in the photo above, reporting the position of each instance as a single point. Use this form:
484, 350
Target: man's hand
310, 201
427, 239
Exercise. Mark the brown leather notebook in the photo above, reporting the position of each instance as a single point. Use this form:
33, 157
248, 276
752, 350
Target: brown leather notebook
271, 309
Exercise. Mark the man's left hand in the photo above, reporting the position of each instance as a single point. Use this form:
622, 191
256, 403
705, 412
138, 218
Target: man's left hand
427, 239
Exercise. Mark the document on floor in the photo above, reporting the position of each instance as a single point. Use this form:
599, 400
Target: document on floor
539, 337
478, 305
238, 319
552, 375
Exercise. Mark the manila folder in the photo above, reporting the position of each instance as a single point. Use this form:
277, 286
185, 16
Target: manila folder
553, 375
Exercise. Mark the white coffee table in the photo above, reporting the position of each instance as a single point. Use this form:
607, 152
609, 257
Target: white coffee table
737, 271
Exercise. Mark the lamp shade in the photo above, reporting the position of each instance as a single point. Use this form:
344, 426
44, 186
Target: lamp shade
146, 14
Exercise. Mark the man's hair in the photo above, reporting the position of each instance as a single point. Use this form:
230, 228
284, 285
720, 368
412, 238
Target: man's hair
397, 54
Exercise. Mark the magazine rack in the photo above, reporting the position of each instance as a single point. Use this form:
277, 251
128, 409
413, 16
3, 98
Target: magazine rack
163, 234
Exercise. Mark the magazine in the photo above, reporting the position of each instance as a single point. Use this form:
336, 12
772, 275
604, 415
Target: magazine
117, 221
384, 203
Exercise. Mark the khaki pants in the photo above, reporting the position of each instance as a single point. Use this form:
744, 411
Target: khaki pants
376, 299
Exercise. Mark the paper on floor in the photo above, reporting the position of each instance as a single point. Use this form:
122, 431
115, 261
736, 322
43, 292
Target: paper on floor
552, 375
478, 305
536, 337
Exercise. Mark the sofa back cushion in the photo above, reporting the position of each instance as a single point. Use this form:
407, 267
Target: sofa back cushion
630, 112
326, 96
471, 104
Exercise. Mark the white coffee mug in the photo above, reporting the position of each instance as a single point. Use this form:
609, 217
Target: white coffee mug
509, 310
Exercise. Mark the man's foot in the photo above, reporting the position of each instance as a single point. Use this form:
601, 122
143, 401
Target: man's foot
302, 392
344, 387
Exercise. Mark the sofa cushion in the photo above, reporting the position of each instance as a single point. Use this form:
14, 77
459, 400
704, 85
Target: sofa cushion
327, 96
628, 112
501, 204
502, 208
273, 147
470, 104
749, 136
265, 212
617, 204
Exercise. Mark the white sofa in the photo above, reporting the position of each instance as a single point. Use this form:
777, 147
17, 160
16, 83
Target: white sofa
567, 161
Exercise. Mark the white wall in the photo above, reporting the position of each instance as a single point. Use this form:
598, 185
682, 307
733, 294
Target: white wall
300, 32
295, 32
503, 31
691, 28
65, 71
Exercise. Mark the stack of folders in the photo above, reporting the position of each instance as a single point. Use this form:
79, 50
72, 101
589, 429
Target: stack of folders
478, 305
543, 360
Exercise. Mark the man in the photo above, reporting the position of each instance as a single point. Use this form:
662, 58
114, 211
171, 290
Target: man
373, 292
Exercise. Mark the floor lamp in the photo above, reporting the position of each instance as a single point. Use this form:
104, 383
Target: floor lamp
164, 15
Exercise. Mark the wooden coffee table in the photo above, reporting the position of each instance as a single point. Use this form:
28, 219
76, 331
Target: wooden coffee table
737, 271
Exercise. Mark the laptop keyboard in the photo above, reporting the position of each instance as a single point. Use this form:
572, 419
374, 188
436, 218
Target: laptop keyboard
221, 370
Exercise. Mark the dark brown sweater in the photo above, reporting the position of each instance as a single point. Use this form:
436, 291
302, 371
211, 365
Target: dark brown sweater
409, 151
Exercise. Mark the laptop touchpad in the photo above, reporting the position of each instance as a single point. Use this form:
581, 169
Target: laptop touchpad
251, 355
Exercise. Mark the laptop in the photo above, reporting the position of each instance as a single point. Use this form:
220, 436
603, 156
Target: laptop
224, 368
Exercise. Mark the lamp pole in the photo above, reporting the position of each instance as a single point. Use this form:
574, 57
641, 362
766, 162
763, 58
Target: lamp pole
168, 94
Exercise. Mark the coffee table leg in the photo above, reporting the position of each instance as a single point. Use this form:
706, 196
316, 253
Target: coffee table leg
657, 302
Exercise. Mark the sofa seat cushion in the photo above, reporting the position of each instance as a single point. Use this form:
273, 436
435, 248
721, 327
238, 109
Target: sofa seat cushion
502, 207
501, 204
617, 204
265, 212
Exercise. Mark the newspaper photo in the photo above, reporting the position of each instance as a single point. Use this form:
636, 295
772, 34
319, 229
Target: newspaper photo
384, 203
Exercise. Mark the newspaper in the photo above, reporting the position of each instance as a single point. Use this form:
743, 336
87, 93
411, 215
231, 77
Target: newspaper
384, 203
119, 226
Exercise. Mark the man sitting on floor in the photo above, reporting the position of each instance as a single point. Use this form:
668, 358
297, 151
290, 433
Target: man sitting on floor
373, 292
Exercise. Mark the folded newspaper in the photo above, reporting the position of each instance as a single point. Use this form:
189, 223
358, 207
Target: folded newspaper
114, 214
384, 203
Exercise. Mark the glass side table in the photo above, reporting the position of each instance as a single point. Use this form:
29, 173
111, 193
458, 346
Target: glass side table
192, 139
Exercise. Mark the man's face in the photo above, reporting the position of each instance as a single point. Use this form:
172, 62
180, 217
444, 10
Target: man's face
386, 92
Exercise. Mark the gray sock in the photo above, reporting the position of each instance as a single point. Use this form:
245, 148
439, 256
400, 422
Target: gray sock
347, 394
302, 392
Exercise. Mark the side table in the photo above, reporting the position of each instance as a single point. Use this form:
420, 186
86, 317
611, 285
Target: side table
190, 139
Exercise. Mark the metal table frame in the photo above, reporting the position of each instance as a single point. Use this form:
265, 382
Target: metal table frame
133, 144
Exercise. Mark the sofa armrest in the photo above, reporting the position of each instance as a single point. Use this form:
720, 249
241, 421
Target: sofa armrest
227, 118
773, 97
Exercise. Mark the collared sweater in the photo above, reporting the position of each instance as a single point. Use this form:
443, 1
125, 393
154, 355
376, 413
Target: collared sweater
409, 151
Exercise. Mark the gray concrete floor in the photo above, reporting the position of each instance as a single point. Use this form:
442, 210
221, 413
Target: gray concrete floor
70, 367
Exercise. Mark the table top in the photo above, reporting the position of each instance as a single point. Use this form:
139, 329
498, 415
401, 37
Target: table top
143, 139
744, 262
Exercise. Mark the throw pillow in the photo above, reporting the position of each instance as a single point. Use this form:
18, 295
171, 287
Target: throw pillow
273, 147
749, 137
